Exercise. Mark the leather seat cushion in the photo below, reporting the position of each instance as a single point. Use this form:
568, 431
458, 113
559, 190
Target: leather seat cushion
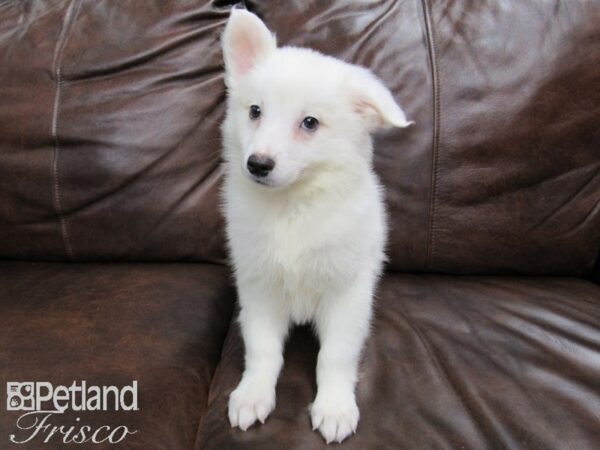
453, 362
160, 324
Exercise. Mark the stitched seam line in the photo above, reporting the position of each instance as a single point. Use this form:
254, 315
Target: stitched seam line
60, 44
432, 47
57, 198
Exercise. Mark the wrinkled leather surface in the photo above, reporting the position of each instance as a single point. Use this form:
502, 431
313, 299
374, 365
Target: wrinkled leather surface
160, 324
501, 172
518, 163
109, 140
453, 362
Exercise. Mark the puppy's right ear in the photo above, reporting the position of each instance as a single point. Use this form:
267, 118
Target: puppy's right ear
246, 42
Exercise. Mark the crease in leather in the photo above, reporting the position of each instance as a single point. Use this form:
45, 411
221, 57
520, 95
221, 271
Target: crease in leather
568, 200
368, 31
139, 59
512, 184
432, 49
211, 74
531, 329
442, 368
583, 221
209, 178
70, 16
213, 379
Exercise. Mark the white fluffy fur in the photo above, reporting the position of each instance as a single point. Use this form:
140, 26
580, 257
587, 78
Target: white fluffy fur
309, 245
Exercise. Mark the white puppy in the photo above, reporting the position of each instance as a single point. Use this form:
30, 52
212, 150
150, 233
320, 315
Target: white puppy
305, 214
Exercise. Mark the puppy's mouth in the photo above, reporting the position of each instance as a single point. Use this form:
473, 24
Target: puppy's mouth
262, 181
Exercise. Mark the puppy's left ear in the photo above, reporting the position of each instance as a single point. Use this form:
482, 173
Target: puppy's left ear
375, 103
246, 41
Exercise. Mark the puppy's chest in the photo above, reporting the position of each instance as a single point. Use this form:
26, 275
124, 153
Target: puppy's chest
292, 248
295, 253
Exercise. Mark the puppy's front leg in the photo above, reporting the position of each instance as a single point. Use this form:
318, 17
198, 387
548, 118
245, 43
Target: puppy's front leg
264, 325
343, 326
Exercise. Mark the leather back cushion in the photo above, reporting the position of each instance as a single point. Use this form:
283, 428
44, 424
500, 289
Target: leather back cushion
109, 130
109, 140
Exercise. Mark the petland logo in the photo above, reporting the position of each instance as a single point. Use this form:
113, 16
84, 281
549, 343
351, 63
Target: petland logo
43, 402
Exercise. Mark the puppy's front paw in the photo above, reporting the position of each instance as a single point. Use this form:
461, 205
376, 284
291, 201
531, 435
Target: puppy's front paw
334, 415
249, 402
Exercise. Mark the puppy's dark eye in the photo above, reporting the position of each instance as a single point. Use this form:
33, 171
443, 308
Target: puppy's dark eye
310, 123
254, 112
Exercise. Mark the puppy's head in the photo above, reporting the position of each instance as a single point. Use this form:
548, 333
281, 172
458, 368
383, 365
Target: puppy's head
294, 113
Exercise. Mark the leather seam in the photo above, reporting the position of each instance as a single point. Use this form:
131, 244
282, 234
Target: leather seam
432, 48
57, 199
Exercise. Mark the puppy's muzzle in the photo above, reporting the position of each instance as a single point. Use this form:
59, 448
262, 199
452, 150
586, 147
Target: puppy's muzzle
260, 165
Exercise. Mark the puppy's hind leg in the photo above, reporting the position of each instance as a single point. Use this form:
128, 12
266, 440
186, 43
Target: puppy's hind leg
264, 325
342, 325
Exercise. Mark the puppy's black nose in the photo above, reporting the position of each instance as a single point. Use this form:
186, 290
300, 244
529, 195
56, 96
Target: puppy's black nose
260, 165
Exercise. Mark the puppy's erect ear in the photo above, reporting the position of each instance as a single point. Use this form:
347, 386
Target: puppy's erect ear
375, 103
246, 41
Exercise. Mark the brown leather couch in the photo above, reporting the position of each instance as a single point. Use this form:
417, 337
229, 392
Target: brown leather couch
487, 329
